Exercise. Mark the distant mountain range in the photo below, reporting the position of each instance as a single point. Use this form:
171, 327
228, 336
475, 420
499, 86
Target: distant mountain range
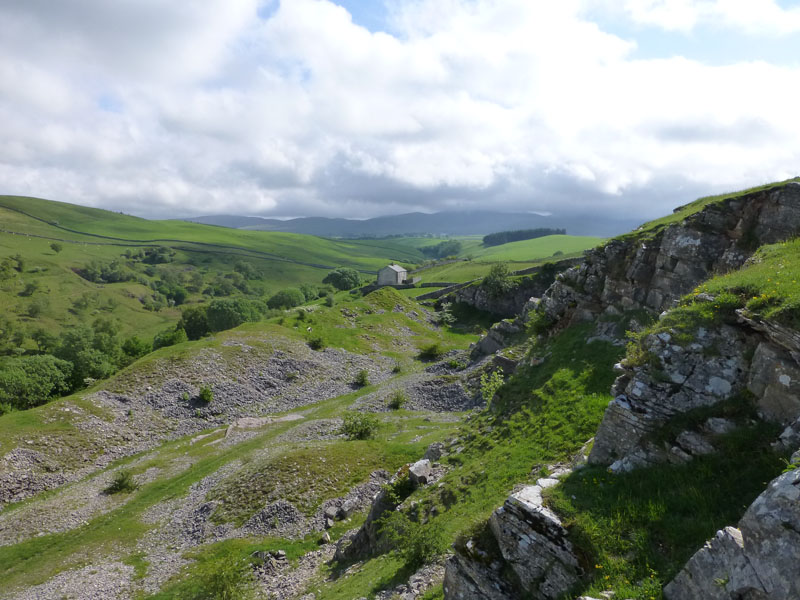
442, 223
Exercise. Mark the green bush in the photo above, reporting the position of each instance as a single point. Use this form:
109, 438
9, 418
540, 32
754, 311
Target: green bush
169, 337
316, 343
431, 351
135, 348
490, 383
397, 400
123, 482
194, 321
32, 380
206, 394
288, 298
227, 313
497, 282
330, 301
359, 426
56, 247
362, 378
343, 278
417, 543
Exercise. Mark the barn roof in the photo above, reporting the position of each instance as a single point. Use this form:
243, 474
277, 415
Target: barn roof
396, 268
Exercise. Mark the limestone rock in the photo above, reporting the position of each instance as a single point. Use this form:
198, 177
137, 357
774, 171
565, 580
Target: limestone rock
684, 379
533, 541
759, 560
467, 579
420, 472
435, 451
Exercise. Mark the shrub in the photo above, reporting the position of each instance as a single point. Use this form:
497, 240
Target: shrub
135, 348
397, 400
490, 384
418, 544
227, 313
194, 321
316, 343
330, 300
359, 426
123, 482
362, 378
431, 351
343, 278
206, 394
497, 282
288, 298
169, 337
32, 380
397, 368
56, 247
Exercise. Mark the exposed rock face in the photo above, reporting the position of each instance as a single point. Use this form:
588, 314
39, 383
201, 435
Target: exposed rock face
535, 544
759, 560
632, 273
466, 579
532, 543
497, 337
512, 302
709, 370
756, 356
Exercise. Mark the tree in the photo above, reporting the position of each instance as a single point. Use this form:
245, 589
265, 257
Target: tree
135, 348
194, 321
32, 380
343, 278
497, 282
288, 298
56, 247
227, 313
169, 337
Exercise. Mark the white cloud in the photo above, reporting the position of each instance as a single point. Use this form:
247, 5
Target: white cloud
765, 17
172, 109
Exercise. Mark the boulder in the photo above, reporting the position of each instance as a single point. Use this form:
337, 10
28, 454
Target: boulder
419, 473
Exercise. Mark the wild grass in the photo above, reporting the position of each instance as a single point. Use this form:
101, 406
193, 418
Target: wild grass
652, 227
633, 532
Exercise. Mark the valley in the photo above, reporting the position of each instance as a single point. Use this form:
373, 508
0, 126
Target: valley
576, 420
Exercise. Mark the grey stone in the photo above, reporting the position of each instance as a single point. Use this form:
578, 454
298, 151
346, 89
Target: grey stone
435, 451
467, 579
420, 472
533, 541
694, 443
759, 560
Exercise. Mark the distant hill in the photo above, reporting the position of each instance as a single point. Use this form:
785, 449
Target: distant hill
442, 223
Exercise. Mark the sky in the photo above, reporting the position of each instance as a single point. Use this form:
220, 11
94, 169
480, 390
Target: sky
361, 108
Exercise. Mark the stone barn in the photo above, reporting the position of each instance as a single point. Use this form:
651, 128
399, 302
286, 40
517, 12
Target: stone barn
392, 275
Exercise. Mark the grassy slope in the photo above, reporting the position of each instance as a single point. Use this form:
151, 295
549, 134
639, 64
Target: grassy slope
403, 438
273, 254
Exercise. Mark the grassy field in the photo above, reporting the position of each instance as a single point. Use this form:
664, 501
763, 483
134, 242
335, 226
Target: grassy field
49, 279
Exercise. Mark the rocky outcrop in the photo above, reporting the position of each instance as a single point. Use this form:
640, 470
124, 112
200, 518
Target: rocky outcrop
754, 356
757, 561
532, 544
367, 539
652, 270
533, 541
532, 285
675, 380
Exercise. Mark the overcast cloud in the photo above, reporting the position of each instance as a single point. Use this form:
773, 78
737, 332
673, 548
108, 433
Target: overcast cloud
180, 108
